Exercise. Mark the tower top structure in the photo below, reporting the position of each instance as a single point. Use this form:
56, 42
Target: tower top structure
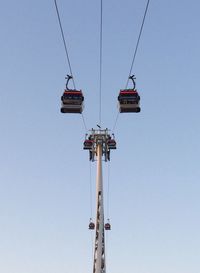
100, 137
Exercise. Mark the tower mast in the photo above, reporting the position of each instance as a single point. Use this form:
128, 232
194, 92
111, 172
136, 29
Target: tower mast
99, 250
99, 144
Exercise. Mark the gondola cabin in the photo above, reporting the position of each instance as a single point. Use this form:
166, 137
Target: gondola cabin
107, 226
129, 101
91, 225
88, 144
72, 101
111, 144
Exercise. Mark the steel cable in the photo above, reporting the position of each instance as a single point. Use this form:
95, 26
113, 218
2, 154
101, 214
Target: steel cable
84, 123
67, 55
134, 56
138, 40
64, 41
115, 123
91, 210
108, 211
108, 192
100, 63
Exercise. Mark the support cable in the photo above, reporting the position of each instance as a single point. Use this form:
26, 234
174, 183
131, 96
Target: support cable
138, 40
108, 192
108, 210
92, 241
84, 123
67, 54
64, 41
115, 124
134, 56
100, 64
107, 247
91, 210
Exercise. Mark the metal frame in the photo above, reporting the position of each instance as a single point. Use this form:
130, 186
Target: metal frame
99, 150
99, 265
100, 137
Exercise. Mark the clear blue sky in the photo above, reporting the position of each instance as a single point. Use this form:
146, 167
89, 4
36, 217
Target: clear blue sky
44, 178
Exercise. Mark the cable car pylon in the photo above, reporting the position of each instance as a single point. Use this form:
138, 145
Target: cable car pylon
99, 149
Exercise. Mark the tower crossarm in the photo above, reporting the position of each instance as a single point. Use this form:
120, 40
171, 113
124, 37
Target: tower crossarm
99, 137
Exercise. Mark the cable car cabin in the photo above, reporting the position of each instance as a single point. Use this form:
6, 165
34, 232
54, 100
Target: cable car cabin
111, 144
88, 144
91, 225
107, 226
72, 101
129, 101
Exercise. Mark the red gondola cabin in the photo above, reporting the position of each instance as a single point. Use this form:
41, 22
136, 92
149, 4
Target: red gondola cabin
129, 101
72, 101
88, 144
111, 144
107, 226
91, 225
